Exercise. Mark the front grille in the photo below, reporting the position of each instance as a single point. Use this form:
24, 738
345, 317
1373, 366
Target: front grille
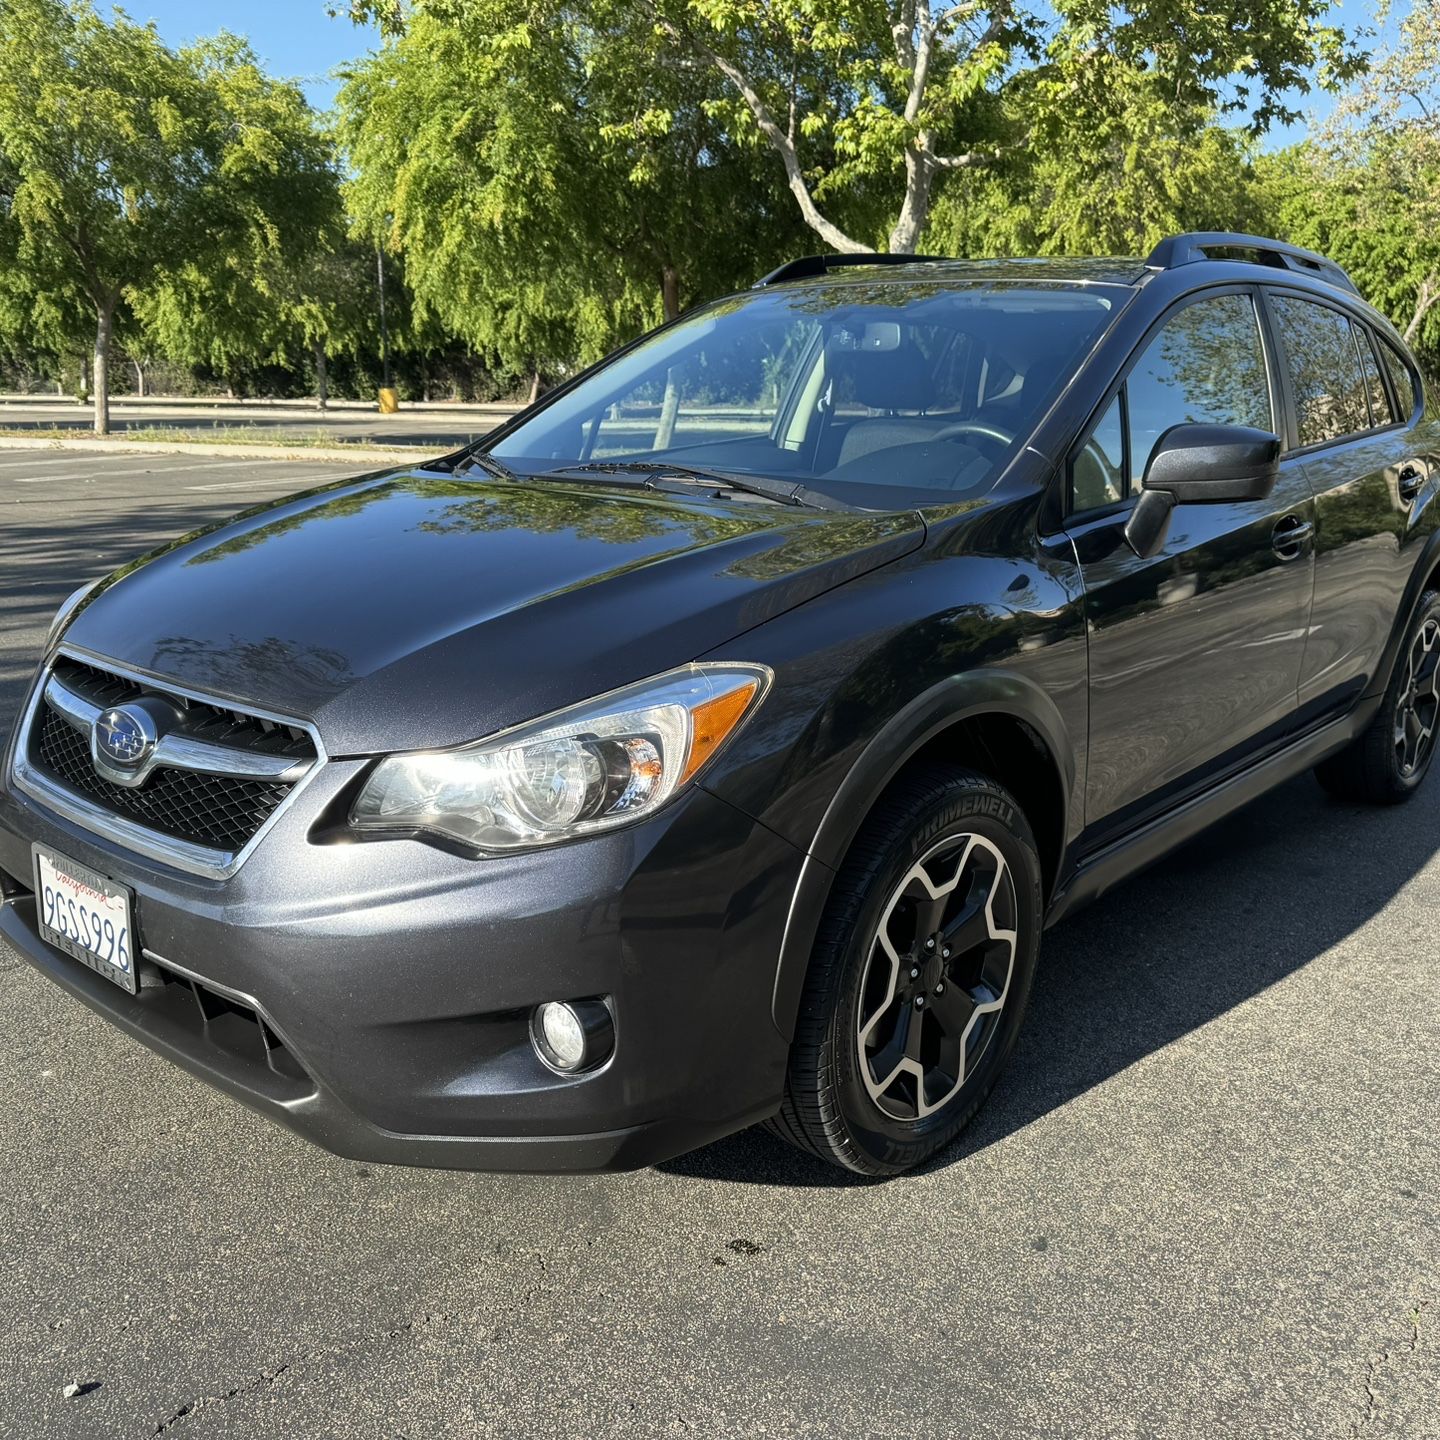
204, 720
221, 812
219, 807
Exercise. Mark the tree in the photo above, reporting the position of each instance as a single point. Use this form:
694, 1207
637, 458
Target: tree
1112, 181
127, 164
548, 186
876, 100
1371, 182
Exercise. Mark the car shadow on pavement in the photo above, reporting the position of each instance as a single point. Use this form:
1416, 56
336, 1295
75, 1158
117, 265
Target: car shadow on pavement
1224, 918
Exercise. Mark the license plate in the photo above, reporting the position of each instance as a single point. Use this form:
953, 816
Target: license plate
86, 916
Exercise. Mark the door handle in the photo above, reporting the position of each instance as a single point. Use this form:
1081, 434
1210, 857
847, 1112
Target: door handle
1288, 537
1411, 479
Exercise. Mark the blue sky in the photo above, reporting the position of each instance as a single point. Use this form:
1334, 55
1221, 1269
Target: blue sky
293, 38
298, 39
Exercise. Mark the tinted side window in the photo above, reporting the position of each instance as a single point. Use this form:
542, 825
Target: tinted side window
1400, 377
1206, 366
1324, 369
1097, 476
1380, 411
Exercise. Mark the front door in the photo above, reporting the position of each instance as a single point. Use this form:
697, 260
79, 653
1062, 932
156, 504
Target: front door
1195, 652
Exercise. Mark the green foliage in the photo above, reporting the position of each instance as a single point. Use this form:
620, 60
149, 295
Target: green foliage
1113, 183
869, 104
134, 174
550, 188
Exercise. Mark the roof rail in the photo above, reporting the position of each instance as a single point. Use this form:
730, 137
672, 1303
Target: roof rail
1187, 249
808, 266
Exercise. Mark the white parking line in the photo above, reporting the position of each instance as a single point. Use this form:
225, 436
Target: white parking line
30, 458
295, 480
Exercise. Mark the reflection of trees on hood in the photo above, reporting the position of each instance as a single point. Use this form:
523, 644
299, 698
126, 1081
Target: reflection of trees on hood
545, 509
822, 540
458, 507
249, 667
338, 508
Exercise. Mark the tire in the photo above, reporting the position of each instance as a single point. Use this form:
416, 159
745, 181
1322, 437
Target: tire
981, 895
1389, 761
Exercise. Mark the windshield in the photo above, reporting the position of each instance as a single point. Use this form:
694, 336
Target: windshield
865, 392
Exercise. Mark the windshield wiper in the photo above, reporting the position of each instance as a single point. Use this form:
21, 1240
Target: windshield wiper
750, 485
496, 469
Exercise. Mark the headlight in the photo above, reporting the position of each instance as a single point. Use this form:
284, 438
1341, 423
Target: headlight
66, 613
602, 764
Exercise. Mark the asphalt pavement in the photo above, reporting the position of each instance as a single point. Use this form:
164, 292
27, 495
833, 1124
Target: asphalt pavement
1205, 1200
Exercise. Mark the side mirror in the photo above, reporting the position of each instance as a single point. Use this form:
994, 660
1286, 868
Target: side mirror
1200, 464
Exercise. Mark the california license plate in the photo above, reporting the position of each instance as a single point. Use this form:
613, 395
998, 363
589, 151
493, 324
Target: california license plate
86, 916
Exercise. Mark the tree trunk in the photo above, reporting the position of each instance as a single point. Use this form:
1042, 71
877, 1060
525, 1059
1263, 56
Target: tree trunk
139, 378
102, 368
534, 388
1424, 303
916, 208
322, 380
670, 291
82, 390
669, 411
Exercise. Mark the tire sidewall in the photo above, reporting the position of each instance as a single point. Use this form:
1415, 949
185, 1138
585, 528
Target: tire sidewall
981, 809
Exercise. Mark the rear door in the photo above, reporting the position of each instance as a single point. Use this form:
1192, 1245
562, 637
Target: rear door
1195, 652
1355, 406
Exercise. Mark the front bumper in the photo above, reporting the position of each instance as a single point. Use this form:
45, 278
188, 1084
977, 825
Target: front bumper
375, 996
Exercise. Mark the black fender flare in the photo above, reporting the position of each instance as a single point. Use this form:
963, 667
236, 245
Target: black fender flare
956, 698
1425, 566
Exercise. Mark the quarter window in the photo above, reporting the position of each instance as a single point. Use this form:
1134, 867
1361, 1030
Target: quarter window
1380, 411
1401, 377
1098, 474
1325, 370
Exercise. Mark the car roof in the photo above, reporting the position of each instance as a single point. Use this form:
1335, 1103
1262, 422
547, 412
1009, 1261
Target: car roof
1196, 252
1062, 270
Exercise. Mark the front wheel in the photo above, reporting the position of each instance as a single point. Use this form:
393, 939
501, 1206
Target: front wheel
920, 976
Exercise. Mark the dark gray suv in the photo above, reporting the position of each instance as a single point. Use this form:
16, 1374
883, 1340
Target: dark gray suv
713, 743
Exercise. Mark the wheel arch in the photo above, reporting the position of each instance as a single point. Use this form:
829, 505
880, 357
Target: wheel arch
993, 720
1424, 576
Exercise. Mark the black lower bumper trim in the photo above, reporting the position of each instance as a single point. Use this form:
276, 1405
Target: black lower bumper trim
307, 1108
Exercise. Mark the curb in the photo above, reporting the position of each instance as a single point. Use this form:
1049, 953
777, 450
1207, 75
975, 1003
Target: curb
360, 454
486, 409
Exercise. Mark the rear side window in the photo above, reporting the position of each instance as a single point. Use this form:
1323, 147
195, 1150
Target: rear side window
1206, 366
1402, 378
1325, 370
1380, 409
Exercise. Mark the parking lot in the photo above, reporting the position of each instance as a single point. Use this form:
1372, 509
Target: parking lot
1205, 1200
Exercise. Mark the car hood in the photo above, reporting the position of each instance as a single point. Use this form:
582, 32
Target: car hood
415, 610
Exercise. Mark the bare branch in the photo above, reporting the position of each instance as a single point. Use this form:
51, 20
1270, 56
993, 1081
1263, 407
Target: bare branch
1424, 302
903, 31
794, 173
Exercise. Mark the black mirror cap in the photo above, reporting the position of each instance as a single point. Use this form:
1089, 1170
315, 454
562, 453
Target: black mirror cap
1199, 463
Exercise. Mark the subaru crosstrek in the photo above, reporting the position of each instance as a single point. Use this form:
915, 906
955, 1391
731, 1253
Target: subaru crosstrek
713, 742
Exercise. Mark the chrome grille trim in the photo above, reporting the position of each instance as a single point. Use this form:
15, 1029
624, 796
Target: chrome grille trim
178, 751
125, 833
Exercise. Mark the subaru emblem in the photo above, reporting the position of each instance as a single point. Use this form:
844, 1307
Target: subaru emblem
125, 737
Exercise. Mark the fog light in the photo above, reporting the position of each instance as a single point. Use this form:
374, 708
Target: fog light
571, 1036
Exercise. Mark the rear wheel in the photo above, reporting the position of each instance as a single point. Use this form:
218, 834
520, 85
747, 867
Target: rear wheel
920, 975
1386, 764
